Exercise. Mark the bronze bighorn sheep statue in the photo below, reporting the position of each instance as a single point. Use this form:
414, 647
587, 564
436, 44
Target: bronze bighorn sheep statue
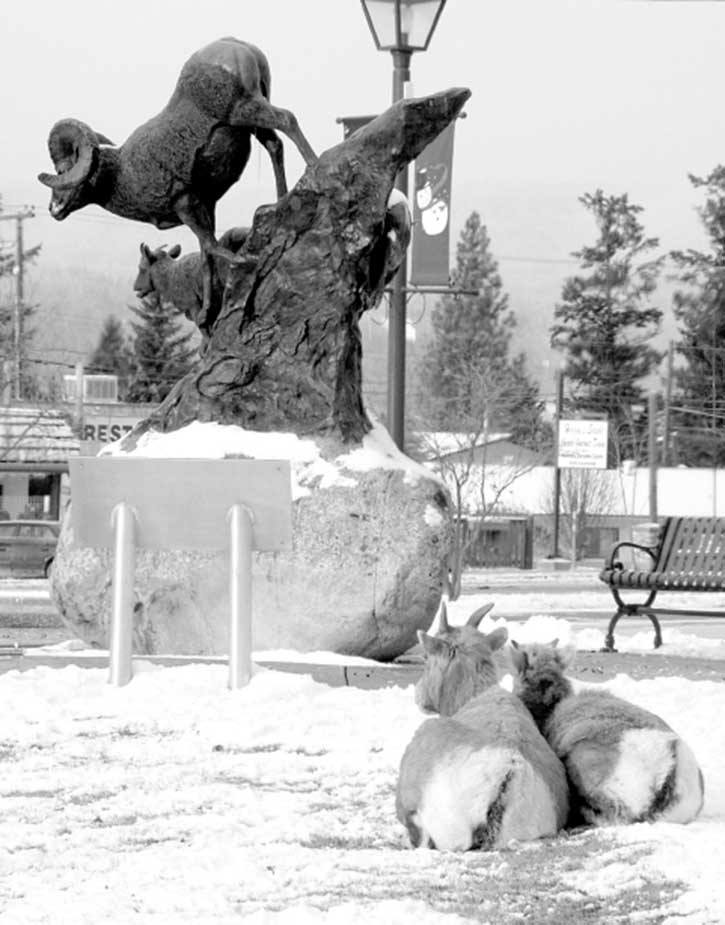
174, 168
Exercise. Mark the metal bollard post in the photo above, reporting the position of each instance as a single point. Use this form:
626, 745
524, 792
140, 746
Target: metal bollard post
240, 596
124, 561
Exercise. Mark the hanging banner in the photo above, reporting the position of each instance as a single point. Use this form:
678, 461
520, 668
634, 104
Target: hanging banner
431, 206
432, 212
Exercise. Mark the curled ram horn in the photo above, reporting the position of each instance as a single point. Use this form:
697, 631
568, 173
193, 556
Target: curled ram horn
73, 148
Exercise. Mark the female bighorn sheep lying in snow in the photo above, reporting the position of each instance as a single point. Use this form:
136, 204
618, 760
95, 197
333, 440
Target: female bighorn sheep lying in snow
480, 774
174, 168
624, 763
179, 281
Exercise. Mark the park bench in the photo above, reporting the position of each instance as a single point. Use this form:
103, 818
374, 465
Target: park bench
689, 556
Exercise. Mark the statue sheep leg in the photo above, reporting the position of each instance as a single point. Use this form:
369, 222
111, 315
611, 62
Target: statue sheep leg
200, 220
270, 140
258, 113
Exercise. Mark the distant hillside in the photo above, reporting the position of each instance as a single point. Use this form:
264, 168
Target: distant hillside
88, 264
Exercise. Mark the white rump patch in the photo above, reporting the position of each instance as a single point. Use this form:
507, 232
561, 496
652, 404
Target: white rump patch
688, 787
457, 796
645, 760
531, 812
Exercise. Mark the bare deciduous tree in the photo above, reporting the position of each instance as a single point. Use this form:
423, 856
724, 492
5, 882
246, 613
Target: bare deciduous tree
463, 457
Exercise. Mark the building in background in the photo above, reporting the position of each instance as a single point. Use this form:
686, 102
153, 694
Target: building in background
35, 445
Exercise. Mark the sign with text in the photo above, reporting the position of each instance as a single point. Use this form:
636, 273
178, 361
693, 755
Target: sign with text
582, 444
99, 430
105, 429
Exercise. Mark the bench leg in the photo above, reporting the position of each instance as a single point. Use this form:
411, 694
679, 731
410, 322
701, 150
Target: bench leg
657, 628
632, 610
609, 638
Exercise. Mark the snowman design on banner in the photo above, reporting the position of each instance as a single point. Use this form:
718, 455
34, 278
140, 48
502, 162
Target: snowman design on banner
432, 194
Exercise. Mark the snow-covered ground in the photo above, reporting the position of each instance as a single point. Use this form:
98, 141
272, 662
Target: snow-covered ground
176, 800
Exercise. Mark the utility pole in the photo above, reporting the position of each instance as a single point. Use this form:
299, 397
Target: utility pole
397, 314
557, 470
79, 407
19, 307
652, 454
666, 424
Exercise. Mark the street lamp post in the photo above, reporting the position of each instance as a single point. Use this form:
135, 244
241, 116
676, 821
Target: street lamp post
400, 27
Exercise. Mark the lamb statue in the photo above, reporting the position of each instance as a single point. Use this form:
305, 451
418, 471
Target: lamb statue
179, 282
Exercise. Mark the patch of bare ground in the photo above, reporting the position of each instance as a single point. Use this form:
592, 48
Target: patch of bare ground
580, 879
602, 666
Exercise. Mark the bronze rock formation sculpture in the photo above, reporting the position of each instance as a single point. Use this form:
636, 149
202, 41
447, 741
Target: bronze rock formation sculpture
284, 353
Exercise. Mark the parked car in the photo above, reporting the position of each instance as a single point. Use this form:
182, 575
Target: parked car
27, 547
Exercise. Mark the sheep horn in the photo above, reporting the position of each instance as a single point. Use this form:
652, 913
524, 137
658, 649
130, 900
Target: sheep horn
443, 626
73, 148
478, 615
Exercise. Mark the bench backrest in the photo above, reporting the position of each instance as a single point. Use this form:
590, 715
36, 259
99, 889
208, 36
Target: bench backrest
692, 545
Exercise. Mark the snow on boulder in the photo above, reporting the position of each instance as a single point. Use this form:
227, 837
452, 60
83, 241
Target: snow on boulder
371, 538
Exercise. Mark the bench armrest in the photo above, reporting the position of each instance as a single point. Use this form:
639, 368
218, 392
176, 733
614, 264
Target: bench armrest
611, 562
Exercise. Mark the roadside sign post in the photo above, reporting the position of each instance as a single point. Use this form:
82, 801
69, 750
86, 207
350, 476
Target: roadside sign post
125, 503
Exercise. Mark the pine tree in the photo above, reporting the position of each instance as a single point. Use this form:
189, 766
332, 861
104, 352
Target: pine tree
699, 307
469, 387
467, 379
113, 355
605, 322
162, 352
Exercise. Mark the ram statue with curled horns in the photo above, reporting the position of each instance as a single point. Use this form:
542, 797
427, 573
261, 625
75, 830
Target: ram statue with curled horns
173, 169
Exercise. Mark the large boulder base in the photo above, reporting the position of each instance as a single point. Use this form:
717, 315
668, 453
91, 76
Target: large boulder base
371, 538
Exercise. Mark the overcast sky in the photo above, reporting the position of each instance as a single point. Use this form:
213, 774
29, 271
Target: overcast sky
618, 94
567, 97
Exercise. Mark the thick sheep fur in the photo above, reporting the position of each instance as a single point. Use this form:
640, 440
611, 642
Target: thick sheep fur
624, 763
480, 775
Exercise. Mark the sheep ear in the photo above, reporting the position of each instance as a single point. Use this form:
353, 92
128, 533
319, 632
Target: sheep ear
519, 658
433, 645
147, 253
554, 643
478, 615
497, 638
175, 251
